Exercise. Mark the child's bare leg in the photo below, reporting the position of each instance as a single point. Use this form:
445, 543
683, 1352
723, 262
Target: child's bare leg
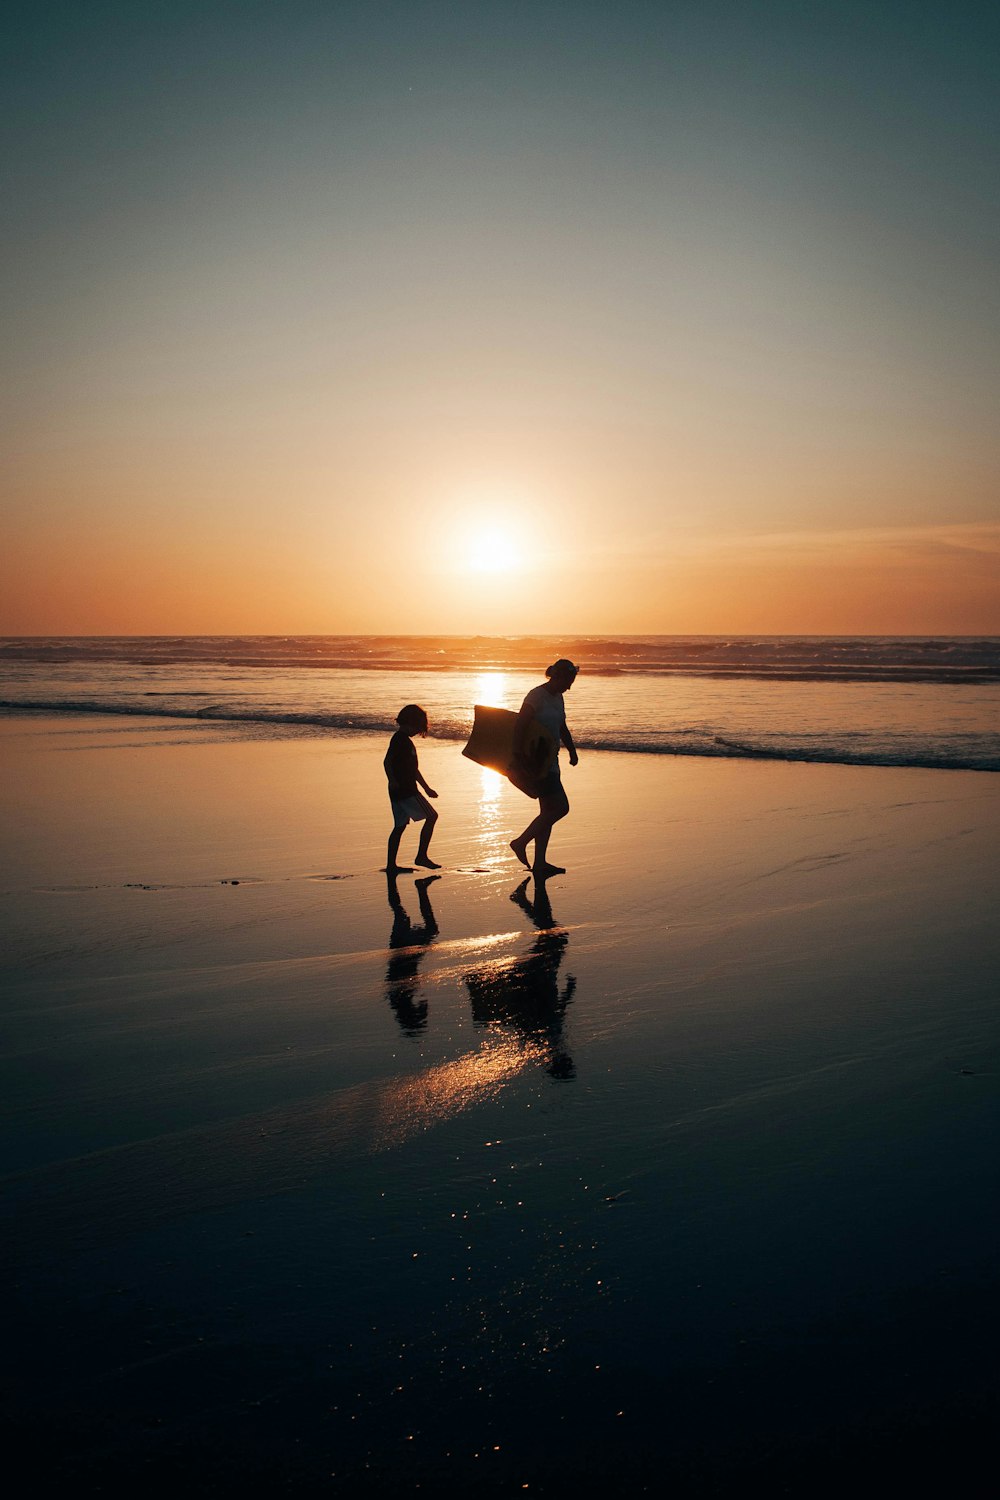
426, 833
393, 849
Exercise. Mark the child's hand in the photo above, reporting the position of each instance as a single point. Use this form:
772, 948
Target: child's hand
430, 791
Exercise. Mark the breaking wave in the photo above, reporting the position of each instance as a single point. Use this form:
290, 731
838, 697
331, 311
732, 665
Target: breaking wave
968, 750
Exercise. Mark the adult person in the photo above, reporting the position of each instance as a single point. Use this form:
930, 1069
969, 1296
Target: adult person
545, 703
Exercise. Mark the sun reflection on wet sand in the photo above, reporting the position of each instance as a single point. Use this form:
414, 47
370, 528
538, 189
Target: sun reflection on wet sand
492, 690
490, 837
518, 1003
412, 1104
522, 997
127, 1188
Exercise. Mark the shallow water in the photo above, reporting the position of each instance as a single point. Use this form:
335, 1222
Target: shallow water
867, 702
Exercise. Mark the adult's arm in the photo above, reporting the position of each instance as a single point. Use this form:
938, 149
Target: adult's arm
526, 716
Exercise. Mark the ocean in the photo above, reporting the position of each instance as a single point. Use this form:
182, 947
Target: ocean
877, 701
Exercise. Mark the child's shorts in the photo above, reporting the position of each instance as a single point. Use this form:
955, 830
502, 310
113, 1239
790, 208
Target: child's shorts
409, 810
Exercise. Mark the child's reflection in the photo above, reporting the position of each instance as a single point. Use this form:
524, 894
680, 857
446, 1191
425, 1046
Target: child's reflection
408, 943
523, 996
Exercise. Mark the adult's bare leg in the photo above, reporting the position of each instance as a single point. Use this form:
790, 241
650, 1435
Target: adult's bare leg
550, 810
520, 844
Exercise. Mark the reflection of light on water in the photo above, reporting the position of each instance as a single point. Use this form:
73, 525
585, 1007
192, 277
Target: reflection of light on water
462, 949
491, 689
491, 786
412, 1104
491, 837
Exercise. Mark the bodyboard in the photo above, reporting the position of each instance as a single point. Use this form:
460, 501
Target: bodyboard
491, 744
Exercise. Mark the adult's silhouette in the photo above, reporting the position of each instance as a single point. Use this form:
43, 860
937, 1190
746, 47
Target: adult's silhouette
522, 997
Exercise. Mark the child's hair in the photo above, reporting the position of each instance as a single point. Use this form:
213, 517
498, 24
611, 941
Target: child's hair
412, 716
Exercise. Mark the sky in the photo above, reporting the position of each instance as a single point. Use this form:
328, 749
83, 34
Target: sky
497, 317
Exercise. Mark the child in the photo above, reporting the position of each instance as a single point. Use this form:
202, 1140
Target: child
404, 777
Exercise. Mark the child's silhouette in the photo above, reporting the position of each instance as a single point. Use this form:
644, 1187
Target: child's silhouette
408, 942
404, 778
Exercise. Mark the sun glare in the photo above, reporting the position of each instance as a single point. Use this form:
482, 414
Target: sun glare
492, 551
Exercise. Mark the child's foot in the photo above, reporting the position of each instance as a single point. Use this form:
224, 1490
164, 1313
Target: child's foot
520, 851
426, 861
398, 870
542, 872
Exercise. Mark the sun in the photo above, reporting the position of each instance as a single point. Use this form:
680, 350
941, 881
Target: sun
492, 550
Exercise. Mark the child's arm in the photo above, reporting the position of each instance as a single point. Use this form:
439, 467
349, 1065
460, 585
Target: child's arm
428, 789
567, 740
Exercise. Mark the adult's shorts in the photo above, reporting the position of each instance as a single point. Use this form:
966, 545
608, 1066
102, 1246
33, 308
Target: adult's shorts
551, 783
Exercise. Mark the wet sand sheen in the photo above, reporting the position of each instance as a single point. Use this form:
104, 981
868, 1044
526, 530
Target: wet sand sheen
671, 1137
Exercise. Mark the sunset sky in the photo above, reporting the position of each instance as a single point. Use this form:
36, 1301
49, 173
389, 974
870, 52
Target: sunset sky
501, 317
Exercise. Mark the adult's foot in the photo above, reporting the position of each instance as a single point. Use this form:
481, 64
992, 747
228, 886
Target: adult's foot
542, 872
426, 861
520, 851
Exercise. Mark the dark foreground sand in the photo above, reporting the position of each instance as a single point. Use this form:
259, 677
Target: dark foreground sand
679, 1173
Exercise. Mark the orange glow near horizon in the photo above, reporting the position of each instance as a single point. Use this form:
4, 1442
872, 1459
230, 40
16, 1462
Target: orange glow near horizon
384, 331
935, 580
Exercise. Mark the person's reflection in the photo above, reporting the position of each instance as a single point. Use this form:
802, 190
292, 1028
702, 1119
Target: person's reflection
524, 997
407, 944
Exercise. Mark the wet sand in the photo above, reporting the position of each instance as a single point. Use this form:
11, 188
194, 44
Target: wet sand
679, 1171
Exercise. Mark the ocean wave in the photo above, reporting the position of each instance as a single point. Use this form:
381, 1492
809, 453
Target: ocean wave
217, 712
966, 660
958, 753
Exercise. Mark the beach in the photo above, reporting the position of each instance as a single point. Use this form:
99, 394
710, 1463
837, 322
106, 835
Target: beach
609, 391
680, 1170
